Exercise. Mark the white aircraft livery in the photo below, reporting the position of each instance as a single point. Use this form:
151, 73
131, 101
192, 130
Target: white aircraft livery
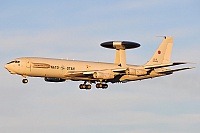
60, 70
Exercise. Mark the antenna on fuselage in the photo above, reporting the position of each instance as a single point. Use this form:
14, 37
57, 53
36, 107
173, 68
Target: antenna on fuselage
120, 46
162, 36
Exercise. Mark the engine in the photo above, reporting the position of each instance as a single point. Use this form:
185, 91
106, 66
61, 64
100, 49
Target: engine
54, 79
137, 72
104, 75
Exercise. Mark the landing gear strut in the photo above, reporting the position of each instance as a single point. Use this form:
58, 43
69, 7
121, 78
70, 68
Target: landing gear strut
25, 81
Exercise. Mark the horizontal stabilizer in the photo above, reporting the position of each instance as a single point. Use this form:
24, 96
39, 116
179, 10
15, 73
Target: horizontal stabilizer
175, 70
165, 65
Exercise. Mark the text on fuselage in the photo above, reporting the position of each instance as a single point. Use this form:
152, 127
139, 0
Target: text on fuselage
54, 67
70, 68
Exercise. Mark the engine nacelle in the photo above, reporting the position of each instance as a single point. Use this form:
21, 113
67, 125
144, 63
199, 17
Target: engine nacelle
103, 75
137, 72
54, 79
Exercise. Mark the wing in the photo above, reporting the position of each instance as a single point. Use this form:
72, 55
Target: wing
104, 74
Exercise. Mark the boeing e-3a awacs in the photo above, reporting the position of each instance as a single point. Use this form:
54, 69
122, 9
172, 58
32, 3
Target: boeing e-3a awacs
60, 70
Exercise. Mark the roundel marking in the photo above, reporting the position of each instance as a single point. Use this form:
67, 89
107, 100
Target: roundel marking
159, 52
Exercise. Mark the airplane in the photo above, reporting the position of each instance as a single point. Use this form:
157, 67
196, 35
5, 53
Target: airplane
99, 73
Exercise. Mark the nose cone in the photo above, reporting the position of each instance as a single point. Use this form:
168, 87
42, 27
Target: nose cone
6, 66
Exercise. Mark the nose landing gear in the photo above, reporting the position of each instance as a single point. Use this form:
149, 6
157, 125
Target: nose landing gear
25, 81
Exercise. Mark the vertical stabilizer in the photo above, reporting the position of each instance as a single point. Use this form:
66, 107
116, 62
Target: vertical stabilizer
163, 53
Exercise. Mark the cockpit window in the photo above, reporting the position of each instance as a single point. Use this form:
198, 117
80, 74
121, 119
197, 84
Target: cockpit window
10, 62
14, 62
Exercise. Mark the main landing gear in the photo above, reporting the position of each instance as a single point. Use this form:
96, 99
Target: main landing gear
88, 86
84, 86
103, 86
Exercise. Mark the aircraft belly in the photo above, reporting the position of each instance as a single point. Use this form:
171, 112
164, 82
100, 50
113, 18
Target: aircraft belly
81, 79
44, 72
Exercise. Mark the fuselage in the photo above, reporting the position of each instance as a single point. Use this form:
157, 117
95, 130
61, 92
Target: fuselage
59, 68
48, 67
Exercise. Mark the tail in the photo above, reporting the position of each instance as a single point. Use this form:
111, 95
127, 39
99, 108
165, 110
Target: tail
162, 54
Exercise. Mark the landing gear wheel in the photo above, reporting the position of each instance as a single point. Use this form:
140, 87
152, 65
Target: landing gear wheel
99, 85
84, 86
88, 86
103, 86
25, 81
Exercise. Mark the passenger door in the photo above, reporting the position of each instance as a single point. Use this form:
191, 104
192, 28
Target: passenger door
28, 64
